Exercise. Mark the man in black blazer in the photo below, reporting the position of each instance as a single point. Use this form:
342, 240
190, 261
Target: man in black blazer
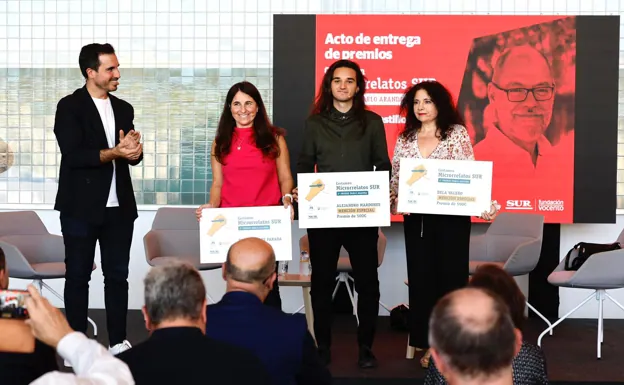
95, 133
178, 351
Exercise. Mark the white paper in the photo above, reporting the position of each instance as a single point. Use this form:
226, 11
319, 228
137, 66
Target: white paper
344, 199
452, 187
219, 228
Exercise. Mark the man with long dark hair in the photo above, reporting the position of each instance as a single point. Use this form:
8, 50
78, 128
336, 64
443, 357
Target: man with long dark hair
341, 135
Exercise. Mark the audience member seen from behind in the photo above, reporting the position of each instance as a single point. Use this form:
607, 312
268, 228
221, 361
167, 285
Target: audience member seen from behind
436, 246
473, 339
529, 366
22, 357
177, 351
281, 341
250, 161
92, 363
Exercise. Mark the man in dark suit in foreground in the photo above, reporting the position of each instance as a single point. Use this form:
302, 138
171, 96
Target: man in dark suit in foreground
281, 341
95, 132
177, 351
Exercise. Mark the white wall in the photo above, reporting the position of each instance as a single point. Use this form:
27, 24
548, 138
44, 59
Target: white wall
392, 273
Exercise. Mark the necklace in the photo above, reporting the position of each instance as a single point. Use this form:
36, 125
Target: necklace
240, 142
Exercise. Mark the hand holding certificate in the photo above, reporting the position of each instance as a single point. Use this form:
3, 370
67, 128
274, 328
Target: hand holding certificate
452, 187
219, 228
344, 199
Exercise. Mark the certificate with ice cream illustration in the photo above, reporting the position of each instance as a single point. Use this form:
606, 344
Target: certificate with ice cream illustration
344, 199
219, 228
436, 186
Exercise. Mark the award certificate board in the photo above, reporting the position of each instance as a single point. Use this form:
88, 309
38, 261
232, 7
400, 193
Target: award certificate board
344, 199
452, 187
219, 228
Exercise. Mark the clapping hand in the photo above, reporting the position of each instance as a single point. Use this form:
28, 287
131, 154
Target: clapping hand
129, 145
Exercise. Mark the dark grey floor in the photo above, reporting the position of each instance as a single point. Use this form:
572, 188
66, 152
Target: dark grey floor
570, 352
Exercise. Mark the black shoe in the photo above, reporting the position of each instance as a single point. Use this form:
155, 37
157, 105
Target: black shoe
366, 359
324, 355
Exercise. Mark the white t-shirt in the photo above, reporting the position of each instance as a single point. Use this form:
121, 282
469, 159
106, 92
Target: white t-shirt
108, 120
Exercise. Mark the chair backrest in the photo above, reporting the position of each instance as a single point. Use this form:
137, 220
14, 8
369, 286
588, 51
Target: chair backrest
38, 248
621, 239
21, 223
510, 230
175, 233
175, 218
382, 241
517, 224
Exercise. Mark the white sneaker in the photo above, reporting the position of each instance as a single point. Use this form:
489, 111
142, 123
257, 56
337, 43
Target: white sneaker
122, 347
67, 364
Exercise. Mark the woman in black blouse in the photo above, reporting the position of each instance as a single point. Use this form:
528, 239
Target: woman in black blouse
529, 366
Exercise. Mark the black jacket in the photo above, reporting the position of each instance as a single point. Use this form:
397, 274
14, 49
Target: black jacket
84, 182
339, 142
24, 368
183, 355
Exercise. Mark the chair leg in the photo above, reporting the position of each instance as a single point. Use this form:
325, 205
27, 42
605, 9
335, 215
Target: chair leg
411, 351
95, 329
353, 303
355, 293
337, 286
600, 308
299, 309
541, 316
57, 295
384, 306
539, 339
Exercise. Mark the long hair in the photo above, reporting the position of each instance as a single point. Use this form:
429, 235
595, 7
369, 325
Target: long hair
448, 115
497, 280
324, 100
264, 132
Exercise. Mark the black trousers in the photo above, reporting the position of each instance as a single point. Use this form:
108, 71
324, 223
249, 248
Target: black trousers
437, 249
115, 237
361, 244
274, 299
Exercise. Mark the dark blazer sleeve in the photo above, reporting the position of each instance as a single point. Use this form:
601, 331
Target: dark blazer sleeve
70, 136
307, 156
312, 371
140, 158
45, 358
381, 160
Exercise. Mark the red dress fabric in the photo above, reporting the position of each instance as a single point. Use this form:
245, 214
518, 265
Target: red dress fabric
249, 178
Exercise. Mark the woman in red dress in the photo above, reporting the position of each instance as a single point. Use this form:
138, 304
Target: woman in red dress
249, 159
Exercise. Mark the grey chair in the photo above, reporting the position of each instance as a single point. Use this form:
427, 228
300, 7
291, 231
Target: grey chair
600, 272
175, 236
344, 269
32, 252
514, 242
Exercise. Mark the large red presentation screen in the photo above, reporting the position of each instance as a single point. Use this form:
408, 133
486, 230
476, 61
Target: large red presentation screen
461, 52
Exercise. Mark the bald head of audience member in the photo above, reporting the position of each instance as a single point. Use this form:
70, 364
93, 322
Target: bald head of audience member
250, 267
473, 339
175, 296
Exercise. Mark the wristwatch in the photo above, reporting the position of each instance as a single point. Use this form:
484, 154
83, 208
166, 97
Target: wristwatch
289, 196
